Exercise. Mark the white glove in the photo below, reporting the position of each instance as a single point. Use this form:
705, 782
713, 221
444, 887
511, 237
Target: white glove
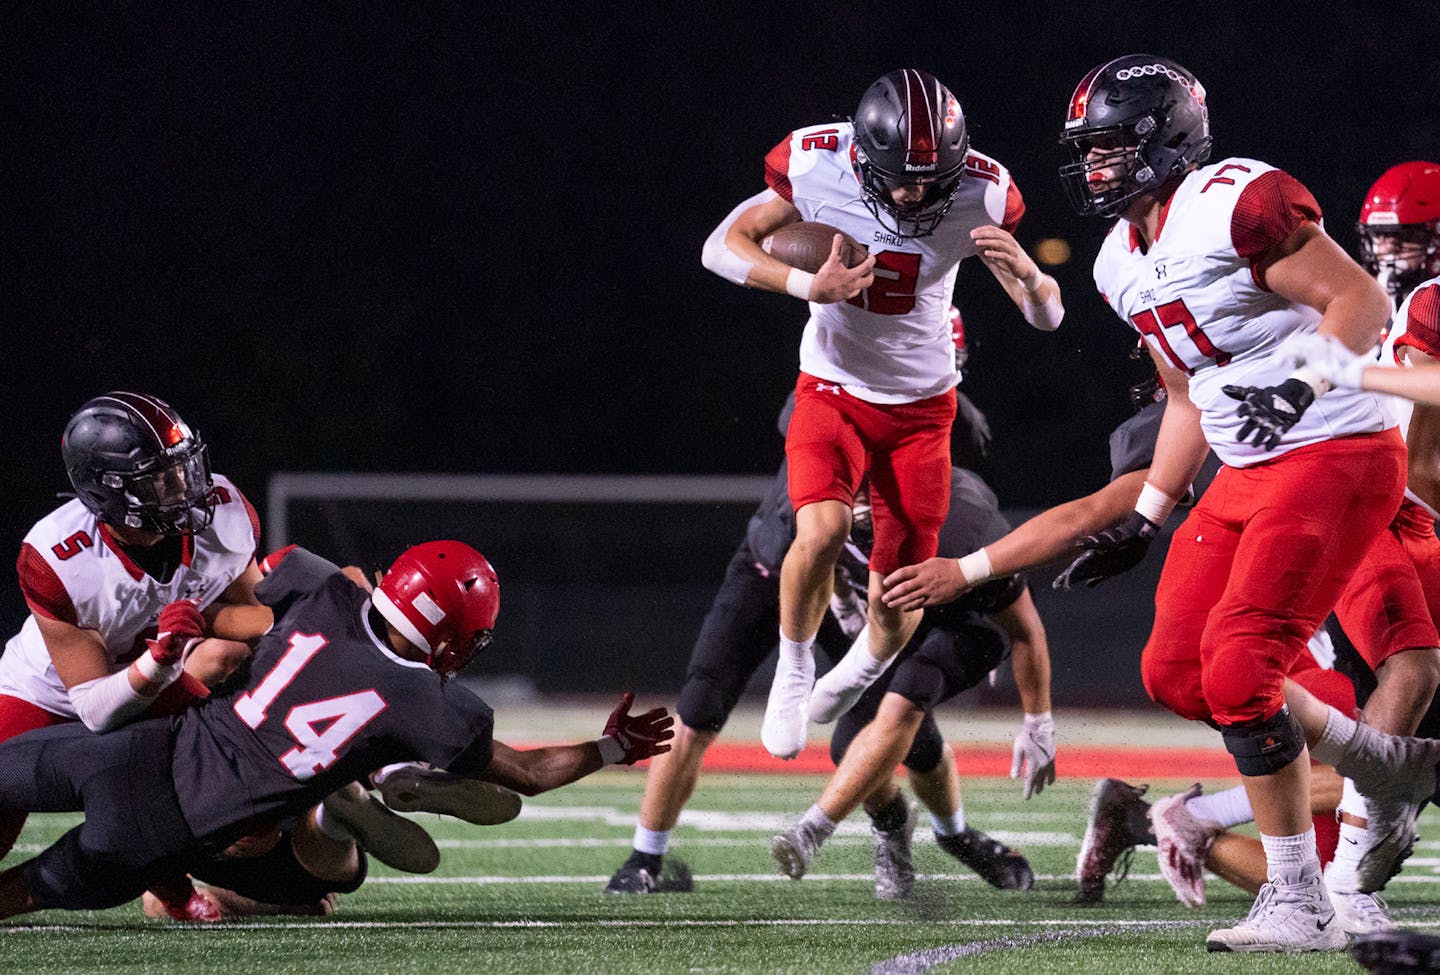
1329, 357
1035, 753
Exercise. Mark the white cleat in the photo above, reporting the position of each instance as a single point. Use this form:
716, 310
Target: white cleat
1391, 834
1394, 774
1286, 917
393, 840
787, 712
416, 788
1184, 840
1360, 913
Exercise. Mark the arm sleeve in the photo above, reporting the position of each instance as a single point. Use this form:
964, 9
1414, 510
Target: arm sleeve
1270, 208
1422, 322
44, 592
107, 702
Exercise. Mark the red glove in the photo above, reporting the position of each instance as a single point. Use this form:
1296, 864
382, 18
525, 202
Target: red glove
638, 736
180, 622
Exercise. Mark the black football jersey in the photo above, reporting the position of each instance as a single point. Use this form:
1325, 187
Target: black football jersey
326, 702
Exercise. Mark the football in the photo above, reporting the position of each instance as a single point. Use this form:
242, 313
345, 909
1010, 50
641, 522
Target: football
806, 245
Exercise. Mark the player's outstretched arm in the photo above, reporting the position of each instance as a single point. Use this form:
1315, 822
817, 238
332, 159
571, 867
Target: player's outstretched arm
1034, 292
628, 738
1033, 757
1048, 537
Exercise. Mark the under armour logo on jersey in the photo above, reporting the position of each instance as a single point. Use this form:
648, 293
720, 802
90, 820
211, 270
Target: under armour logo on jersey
828, 388
1160, 270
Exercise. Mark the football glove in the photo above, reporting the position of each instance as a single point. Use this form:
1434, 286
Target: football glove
1110, 552
1331, 358
1269, 411
1034, 754
180, 622
635, 736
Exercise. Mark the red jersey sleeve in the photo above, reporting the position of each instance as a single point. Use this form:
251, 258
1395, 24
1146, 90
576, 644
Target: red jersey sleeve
1422, 322
44, 592
1271, 208
777, 170
1014, 208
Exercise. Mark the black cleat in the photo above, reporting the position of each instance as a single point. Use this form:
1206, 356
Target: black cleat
1397, 952
995, 862
1119, 821
648, 874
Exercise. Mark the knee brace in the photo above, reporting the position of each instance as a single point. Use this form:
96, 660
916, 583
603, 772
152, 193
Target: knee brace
928, 747
1266, 746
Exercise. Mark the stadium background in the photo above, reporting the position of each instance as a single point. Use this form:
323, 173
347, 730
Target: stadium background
453, 238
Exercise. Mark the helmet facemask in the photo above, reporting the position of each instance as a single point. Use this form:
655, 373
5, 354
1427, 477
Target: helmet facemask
1124, 149
1400, 256
918, 219
170, 498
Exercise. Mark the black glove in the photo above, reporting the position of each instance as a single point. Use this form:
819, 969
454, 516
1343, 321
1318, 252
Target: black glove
1109, 553
1270, 410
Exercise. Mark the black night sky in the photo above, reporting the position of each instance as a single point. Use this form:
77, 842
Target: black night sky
466, 238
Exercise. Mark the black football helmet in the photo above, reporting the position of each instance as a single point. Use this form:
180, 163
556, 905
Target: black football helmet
134, 462
909, 130
1142, 114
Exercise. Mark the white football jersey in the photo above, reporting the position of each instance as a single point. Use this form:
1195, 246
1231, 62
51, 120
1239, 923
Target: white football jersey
1200, 302
892, 342
71, 569
1416, 326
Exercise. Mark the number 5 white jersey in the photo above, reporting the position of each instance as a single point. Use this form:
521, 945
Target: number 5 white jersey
1200, 301
891, 343
72, 570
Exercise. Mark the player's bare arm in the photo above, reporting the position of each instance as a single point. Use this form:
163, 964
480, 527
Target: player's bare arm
1422, 440
833, 282
1034, 292
1029, 652
1047, 537
536, 770
1310, 269
1180, 448
237, 614
79, 654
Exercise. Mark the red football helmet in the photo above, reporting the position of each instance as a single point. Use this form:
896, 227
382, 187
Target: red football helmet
443, 597
1400, 227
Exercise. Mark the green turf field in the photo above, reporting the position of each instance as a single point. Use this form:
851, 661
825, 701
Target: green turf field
526, 897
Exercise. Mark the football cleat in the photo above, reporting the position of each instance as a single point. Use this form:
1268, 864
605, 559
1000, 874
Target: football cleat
1360, 913
1116, 824
996, 863
1398, 952
794, 849
894, 871
636, 876
1285, 917
393, 840
1184, 840
415, 788
787, 711
1391, 834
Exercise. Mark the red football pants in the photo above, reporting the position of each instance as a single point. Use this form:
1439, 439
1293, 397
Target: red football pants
834, 437
1256, 568
1392, 600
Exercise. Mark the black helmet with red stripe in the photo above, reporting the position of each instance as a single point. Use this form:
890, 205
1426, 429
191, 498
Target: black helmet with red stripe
1133, 124
910, 132
135, 463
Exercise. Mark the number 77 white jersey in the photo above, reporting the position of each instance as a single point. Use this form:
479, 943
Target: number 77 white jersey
1199, 298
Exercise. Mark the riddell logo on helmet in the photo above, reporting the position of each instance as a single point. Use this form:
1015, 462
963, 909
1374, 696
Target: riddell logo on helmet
921, 167
1382, 216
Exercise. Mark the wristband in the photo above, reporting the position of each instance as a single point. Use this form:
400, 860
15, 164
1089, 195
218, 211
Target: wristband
1313, 379
155, 672
1154, 505
799, 283
976, 567
610, 751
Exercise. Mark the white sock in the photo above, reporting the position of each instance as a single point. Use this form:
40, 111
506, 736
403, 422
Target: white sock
795, 651
1230, 807
1340, 875
952, 825
1352, 802
331, 826
651, 840
1335, 738
1291, 859
819, 824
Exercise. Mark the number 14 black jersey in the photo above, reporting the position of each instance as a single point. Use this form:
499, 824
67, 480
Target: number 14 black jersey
326, 702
